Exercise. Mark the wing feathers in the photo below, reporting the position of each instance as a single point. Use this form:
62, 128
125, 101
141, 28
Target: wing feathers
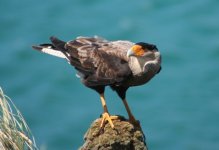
99, 62
102, 62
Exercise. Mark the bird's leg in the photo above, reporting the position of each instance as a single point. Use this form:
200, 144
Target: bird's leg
105, 115
131, 116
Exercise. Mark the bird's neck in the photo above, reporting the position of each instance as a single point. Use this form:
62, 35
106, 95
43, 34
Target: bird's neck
136, 65
142, 70
142, 65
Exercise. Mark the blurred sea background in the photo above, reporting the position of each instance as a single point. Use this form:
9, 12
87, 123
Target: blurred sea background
178, 109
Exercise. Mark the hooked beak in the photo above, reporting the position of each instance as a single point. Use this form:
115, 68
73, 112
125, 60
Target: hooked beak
130, 53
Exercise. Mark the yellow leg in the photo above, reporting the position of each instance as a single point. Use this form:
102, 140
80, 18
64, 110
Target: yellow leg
102, 98
105, 115
131, 116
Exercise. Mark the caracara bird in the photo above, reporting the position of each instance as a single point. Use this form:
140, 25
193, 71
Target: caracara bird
101, 63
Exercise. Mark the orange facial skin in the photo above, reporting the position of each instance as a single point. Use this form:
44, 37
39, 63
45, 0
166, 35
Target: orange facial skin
138, 50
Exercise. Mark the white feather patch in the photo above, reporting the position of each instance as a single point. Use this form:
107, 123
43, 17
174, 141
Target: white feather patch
53, 52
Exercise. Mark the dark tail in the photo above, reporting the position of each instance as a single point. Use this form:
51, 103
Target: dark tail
57, 48
58, 44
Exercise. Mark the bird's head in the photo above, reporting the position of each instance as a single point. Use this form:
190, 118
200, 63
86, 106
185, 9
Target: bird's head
144, 55
142, 49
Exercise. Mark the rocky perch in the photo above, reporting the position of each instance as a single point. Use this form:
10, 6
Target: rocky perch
124, 137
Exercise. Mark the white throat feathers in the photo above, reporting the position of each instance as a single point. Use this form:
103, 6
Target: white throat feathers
139, 65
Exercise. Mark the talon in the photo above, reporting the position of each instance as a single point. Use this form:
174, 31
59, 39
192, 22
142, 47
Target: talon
132, 119
135, 122
107, 117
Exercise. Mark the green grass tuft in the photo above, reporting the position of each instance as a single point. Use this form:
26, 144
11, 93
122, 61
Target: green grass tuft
14, 132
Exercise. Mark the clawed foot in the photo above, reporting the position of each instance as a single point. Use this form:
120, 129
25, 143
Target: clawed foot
107, 117
135, 122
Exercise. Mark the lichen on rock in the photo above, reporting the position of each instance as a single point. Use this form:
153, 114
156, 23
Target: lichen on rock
124, 136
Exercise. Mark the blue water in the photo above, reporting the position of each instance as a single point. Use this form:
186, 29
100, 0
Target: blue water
178, 109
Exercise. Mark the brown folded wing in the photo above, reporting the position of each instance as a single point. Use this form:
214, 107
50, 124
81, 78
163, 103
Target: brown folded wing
98, 61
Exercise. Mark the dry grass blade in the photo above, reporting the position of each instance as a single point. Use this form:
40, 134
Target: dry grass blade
14, 132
